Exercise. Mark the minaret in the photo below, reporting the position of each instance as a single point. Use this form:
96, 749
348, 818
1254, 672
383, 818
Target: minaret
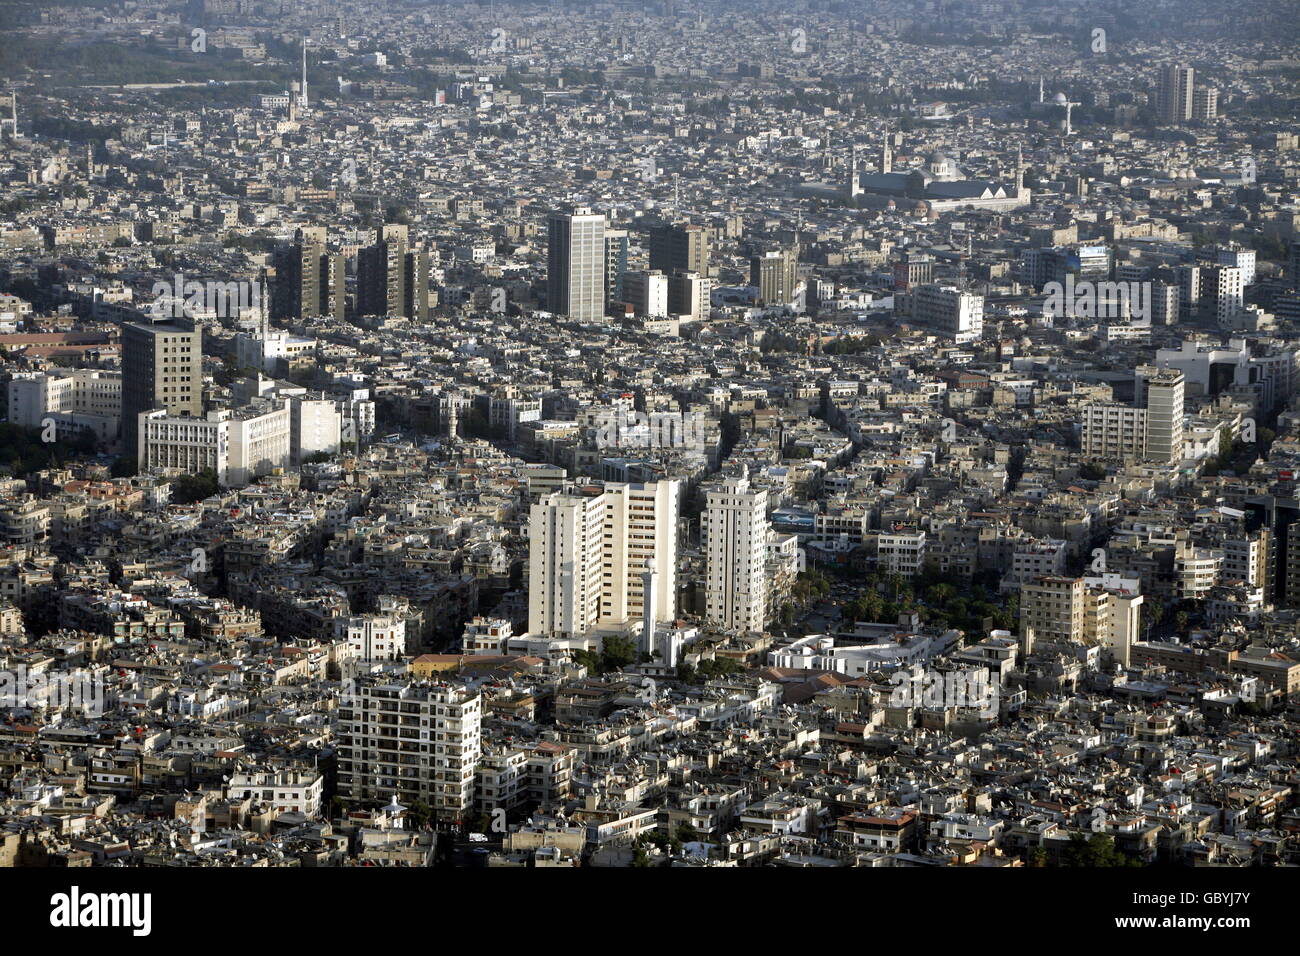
886, 154
1020, 172
302, 96
1041, 92
649, 598
264, 323
855, 187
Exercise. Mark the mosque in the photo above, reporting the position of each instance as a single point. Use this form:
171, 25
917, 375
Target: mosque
940, 184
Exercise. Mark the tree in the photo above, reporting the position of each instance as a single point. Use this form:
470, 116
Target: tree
187, 489
1155, 614
618, 652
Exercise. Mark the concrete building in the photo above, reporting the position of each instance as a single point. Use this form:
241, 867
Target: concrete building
411, 742
1175, 94
950, 310
588, 554
162, 367
679, 247
238, 444
575, 275
775, 274
647, 293
74, 399
735, 532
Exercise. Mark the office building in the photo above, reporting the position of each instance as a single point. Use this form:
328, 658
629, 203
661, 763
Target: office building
74, 399
646, 293
913, 269
1102, 609
1150, 431
162, 368
576, 253
1205, 104
588, 550
775, 275
950, 310
679, 247
309, 279
1222, 292
616, 249
1174, 94
689, 295
238, 444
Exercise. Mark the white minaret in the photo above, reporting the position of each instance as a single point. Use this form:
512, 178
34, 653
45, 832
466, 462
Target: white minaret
302, 95
1041, 91
649, 594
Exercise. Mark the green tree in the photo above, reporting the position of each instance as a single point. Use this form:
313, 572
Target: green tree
187, 489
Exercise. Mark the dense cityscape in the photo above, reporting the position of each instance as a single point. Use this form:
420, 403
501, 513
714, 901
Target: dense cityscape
831, 433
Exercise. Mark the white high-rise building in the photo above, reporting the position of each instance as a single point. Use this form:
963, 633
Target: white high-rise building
1223, 290
564, 564
647, 293
735, 532
1243, 259
640, 534
575, 275
952, 311
439, 729
588, 553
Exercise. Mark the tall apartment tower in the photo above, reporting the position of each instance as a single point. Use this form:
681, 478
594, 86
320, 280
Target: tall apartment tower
1174, 94
1151, 431
309, 280
1163, 390
1205, 103
689, 295
679, 247
735, 532
640, 535
1222, 291
616, 248
1234, 255
162, 367
775, 275
1293, 264
564, 557
441, 721
588, 554
393, 280
575, 275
